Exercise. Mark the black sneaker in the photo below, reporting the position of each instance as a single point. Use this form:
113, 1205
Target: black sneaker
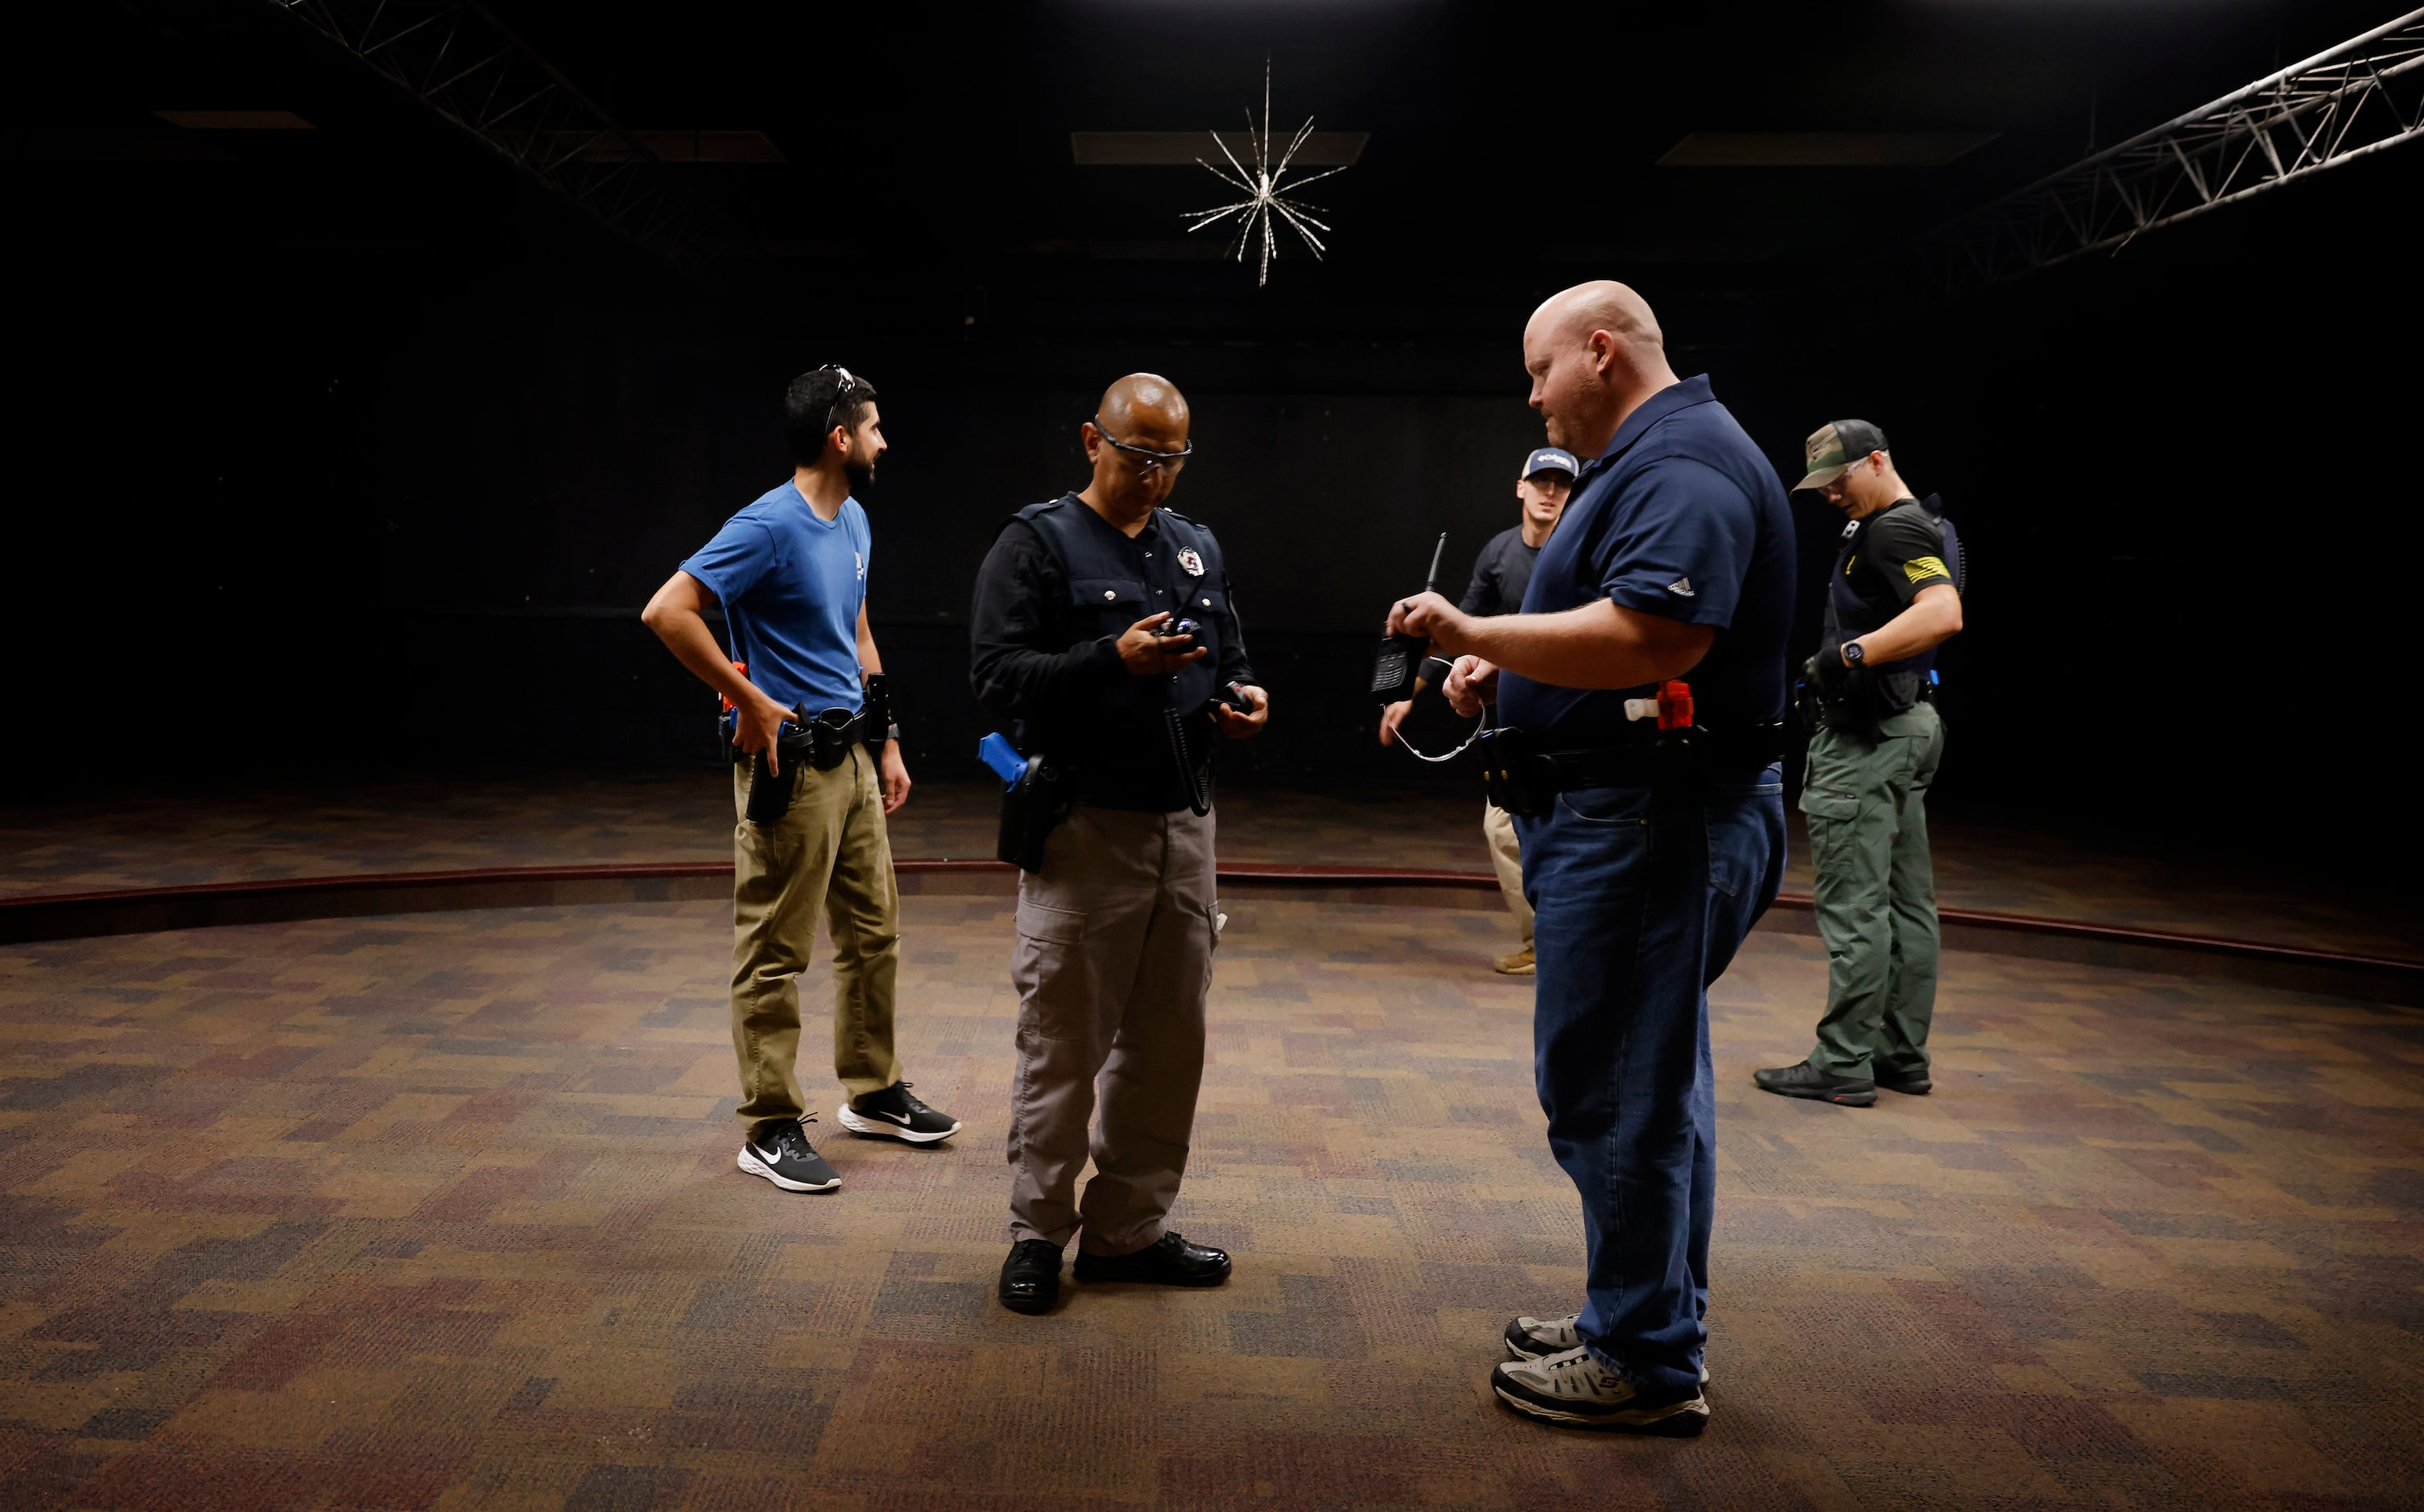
1168, 1261
1805, 1080
893, 1114
1909, 1083
1574, 1390
1031, 1278
780, 1151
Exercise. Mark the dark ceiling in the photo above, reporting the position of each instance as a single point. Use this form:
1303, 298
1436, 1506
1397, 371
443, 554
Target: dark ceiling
1502, 135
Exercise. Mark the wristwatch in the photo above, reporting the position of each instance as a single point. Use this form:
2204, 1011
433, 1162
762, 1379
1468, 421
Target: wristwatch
1851, 653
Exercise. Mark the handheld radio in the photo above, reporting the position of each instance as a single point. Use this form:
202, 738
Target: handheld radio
1393, 671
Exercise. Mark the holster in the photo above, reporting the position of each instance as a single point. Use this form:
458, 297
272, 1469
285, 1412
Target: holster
1030, 807
821, 741
877, 712
1516, 773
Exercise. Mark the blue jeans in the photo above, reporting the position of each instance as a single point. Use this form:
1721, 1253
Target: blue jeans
1637, 906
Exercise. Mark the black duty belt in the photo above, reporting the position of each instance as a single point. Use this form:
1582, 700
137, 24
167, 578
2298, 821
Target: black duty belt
1522, 779
1715, 756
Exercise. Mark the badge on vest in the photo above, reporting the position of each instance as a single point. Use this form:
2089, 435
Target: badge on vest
1191, 560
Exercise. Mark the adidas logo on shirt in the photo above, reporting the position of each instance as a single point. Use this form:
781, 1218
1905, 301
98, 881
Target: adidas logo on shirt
1681, 588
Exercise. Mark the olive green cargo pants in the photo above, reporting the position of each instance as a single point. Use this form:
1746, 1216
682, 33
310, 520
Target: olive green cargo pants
1866, 805
829, 851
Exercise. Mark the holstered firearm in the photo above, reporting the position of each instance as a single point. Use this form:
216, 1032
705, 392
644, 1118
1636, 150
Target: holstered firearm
1030, 807
820, 741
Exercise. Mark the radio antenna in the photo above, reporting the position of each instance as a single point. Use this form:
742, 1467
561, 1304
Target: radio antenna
1431, 583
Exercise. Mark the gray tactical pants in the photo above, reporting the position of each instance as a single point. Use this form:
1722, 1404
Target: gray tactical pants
1113, 959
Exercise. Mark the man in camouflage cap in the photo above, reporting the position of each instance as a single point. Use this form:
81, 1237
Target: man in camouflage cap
1893, 597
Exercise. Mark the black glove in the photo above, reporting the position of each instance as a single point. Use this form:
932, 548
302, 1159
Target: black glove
1826, 670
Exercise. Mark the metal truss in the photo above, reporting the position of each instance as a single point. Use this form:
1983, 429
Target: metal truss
461, 63
2356, 99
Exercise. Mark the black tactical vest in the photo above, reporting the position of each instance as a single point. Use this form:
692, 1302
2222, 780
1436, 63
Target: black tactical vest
1111, 589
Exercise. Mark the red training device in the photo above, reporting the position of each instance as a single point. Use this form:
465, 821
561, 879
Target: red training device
742, 668
1675, 706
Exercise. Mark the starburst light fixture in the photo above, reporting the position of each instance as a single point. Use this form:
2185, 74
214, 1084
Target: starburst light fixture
1263, 187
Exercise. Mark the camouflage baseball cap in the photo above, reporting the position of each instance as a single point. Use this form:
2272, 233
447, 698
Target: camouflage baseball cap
1832, 447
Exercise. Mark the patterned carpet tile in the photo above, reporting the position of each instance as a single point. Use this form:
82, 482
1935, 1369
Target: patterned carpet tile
237, 835
440, 1212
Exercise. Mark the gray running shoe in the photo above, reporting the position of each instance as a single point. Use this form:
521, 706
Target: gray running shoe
1572, 1389
1530, 1338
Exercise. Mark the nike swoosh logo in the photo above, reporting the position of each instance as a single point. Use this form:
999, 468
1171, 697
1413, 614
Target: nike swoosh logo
897, 1118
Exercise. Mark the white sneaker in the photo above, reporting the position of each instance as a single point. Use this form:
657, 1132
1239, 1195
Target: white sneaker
1529, 1338
1574, 1390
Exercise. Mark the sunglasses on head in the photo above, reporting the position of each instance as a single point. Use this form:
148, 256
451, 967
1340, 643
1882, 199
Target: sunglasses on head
845, 393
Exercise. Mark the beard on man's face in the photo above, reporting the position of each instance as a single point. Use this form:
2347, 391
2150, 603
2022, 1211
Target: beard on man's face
861, 476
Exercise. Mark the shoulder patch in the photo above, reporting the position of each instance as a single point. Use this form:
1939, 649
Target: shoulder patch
1919, 569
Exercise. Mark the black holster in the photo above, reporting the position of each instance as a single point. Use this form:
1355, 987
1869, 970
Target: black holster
1516, 773
1030, 807
877, 712
821, 741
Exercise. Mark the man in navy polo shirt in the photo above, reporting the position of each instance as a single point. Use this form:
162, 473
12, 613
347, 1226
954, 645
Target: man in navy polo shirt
1673, 561
790, 571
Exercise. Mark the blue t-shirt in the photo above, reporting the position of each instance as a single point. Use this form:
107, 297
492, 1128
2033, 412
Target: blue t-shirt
791, 586
1679, 516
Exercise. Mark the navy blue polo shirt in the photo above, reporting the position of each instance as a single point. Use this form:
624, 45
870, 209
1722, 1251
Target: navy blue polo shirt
1683, 517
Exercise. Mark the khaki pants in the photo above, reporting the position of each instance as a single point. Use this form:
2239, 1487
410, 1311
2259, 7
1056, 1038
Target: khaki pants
1113, 959
830, 850
1498, 827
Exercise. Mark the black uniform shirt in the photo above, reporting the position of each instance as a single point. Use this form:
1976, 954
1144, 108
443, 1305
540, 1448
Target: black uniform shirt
1885, 561
1500, 575
1034, 663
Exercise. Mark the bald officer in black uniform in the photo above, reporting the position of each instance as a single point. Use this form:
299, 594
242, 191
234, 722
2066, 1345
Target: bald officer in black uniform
1075, 645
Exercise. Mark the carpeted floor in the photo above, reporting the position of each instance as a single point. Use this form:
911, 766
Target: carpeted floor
439, 1211
237, 833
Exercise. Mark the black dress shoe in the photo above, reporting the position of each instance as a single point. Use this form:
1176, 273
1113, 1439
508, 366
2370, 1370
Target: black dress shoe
1031, 1278
1805, 1080
1168, 1261
1909, 1083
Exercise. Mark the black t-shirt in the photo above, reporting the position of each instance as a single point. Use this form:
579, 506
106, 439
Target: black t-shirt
1885, 560
1500, 575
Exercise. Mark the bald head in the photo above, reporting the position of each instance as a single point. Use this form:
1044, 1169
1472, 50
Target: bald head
1136, 443
1594, 352
1602, 305
1143, 400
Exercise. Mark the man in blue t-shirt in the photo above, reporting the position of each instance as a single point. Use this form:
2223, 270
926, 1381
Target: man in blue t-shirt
1654, 836
818, 766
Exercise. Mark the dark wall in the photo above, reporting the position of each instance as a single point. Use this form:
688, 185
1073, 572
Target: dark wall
283, 522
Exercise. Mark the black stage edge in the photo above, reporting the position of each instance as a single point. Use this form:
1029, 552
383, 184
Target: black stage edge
145, 909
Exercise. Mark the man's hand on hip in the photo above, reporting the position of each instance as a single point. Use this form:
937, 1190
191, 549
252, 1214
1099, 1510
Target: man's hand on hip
1146, 653
758, 722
